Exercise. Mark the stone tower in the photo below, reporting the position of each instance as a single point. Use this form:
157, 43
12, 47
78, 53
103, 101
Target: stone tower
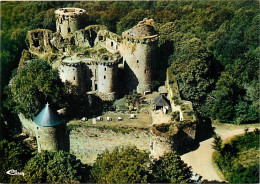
138, 50
72, 70
68, 20
107, 77
49, 130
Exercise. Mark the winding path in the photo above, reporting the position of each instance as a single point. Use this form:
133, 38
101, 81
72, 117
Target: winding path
201, 159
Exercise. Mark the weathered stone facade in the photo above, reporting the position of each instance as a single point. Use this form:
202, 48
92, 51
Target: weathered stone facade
88, 58
169, 136
48, 138
68, 20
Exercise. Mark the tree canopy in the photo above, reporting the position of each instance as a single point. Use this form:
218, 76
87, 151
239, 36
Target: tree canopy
32, 86
122, 165
170, 169
13, 156
49, 167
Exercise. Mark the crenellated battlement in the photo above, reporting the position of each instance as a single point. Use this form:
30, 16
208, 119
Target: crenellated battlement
68, 20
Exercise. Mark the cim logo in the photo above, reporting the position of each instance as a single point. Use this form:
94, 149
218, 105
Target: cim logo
13, 172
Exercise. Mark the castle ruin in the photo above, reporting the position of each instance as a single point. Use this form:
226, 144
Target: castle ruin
88, 59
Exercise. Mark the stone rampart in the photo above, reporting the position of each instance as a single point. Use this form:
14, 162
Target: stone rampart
87, 143
28, 126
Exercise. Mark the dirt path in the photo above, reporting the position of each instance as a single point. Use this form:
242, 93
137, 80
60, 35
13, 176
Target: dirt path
201, 159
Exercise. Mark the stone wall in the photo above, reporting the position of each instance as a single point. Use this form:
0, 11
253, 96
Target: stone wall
87, 143
28, 126
39, 41
159, 145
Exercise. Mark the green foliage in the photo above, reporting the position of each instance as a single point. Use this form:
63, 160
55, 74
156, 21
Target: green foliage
175, 116
193, 67
133, 100
49, 167
122, 165
32, 87
170, 169
238, 159
13, 156
217, 143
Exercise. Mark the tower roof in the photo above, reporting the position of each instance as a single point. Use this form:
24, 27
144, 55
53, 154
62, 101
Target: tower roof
142, 29
47, 117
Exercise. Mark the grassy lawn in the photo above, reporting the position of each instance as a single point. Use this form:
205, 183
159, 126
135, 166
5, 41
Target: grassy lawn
141, 122
233, 127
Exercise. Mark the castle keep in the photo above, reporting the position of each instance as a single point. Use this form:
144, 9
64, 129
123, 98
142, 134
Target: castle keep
89, 59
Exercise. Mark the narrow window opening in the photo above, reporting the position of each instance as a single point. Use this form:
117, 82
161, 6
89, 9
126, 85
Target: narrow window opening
105, 69
74, 78
145, 71
137, 61
69, 30
95, 87
112, 44
105, 77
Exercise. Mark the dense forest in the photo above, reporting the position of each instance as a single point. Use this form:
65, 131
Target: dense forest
212, 47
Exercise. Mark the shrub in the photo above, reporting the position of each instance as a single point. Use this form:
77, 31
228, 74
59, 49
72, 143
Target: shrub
12, 156
170, 169
122, 165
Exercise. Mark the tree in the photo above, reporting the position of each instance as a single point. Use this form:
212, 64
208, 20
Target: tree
217, 143
50, 167
122, 165
13, 156
32, 87
133, 100
170, 169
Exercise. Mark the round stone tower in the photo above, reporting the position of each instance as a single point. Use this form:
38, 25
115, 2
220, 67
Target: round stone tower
49, 130
107, 77
72, 71
138, 49
68, 20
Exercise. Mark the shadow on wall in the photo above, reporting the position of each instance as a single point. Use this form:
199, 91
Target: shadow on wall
63, 138
183, 143
204, 129
121, 84
91, 36
131, 79
88, 75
